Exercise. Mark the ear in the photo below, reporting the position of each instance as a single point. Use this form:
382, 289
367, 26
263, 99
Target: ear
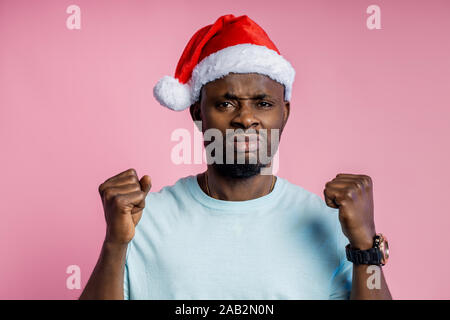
195, 111
287, 109
196, 114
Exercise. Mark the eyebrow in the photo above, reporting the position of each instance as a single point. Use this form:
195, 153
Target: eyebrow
232, 96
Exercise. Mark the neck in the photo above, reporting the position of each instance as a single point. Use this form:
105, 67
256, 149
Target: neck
235, 189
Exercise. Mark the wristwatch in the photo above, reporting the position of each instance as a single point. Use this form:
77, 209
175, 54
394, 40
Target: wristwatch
377, 255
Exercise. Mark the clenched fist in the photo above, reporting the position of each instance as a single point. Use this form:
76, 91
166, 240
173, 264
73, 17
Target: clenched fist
123, 198
352, 195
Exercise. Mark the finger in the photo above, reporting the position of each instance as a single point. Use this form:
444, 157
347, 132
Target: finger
125, 173
123, 181
344, 183
348, 175
348, 183
127, 177
111, 192
132, 199
138, 208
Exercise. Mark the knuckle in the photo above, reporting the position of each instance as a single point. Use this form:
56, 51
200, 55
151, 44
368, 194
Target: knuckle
135, 188
107, 194
367, 180
132, 171
132, 180
358, 184
349, 194
118, 200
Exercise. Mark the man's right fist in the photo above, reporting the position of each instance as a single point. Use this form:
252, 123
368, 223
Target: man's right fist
123, 198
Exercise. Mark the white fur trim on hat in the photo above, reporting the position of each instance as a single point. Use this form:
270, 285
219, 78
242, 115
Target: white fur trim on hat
241, 58
172, 94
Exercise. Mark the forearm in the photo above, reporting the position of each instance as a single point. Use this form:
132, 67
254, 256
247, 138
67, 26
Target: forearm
369, 286
106, 281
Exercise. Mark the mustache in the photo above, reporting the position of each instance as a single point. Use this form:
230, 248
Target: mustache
241, 135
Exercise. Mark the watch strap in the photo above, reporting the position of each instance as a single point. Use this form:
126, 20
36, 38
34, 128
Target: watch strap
370, 256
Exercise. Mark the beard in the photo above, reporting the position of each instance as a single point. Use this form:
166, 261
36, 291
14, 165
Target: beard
239, 169
244, 170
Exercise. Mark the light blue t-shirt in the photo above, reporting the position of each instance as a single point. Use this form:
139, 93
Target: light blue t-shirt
287, 244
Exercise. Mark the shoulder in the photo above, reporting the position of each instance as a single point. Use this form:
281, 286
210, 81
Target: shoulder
167, 200
316, 218
170, 191
309, 208
162, 208
298, 195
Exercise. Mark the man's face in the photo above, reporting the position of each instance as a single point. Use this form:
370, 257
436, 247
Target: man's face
243, 101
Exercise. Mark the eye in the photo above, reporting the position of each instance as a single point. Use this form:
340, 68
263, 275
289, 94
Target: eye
225, 104
264, 104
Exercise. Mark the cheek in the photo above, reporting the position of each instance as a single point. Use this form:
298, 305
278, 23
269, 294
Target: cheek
272, 119
214, 119
273, 122
207, 117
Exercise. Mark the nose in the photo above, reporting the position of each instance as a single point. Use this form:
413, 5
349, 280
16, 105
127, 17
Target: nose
245, 118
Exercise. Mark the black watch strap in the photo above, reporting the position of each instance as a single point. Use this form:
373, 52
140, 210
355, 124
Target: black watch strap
371, 256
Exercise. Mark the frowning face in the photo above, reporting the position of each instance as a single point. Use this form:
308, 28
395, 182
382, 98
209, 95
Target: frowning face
249, 102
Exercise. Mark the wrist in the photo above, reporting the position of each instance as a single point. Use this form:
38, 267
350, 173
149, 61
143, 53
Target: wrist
363, 252
114, 246
362, 238
362, 244
112, 254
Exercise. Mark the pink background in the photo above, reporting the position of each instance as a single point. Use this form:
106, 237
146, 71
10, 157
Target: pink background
77, 108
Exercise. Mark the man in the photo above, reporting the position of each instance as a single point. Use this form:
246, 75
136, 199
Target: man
236, 231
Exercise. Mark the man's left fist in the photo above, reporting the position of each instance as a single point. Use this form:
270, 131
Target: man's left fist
352, 195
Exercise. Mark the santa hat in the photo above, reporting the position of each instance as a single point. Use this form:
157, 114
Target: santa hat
231, 44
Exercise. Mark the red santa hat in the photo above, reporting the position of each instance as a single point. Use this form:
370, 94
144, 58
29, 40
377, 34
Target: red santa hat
231, 44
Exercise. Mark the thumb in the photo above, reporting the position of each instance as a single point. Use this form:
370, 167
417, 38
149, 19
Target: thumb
329, 199
146, 183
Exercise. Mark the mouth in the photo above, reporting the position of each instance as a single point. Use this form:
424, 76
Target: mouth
245, 146
246, 143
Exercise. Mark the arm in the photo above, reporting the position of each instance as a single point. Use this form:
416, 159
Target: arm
360, 289
106, 281
352, 195
123, 198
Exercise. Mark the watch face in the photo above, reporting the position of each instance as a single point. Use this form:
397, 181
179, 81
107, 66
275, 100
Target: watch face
384, 248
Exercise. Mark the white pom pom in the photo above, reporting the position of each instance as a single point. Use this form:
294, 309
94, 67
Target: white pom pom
172, 94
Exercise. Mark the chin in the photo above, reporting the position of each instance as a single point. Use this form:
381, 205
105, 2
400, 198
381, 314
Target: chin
245, 170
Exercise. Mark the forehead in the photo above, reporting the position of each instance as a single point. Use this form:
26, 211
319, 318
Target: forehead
244, 84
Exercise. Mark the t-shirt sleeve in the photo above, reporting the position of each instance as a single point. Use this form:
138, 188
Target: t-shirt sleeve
341, 281
126, 283
126, 295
